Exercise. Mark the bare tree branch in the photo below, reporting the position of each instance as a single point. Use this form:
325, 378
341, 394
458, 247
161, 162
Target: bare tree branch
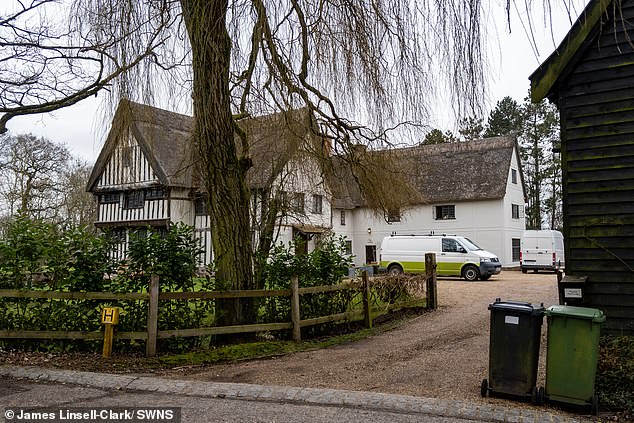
46, 66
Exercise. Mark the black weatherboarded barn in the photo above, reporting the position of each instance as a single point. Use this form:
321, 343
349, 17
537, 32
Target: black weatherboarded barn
590, 77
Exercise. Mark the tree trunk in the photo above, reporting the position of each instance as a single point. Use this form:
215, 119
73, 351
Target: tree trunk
25, 196
223, 170
537, 212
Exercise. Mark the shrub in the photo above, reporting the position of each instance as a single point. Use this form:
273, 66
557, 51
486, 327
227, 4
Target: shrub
28, 251
173, 256
326, 265
615, 373
36, 255
388, 289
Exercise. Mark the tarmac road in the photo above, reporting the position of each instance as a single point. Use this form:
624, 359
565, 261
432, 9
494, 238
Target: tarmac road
23, 387
15, 394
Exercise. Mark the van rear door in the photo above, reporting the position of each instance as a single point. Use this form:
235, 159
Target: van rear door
536, 251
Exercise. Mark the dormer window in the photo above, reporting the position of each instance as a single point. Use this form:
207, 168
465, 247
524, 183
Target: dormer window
318, 201
393, 215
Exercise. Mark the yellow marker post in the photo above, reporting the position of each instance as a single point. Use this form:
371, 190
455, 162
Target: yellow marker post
110, 318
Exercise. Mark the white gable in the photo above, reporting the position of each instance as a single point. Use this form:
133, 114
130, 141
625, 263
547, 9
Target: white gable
127, 166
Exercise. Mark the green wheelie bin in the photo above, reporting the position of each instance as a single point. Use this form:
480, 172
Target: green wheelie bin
572, 352
514, 350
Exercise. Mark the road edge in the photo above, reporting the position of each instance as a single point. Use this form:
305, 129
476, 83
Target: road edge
405, 404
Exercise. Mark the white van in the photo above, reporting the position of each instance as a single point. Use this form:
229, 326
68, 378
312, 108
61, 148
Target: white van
455, 256
542, 250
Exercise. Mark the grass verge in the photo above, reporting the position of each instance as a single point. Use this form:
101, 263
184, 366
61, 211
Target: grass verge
256, 350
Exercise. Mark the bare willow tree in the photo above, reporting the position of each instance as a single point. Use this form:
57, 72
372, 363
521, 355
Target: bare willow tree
256, 56
327, 57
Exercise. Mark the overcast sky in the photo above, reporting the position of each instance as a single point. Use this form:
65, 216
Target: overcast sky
511, 61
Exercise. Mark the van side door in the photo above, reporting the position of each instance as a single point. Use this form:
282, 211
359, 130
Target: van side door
452, 257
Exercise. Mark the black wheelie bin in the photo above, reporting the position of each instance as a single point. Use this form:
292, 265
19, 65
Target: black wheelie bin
514, 350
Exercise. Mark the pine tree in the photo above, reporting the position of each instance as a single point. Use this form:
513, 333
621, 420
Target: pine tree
471, 128
504, 119
539, 133
436, 136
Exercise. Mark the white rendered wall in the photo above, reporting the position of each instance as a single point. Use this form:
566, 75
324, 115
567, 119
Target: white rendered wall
488, 223
181, 206
513, 228
478, 221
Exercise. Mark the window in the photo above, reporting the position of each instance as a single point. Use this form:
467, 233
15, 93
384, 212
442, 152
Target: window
393, 215
297, 203
155, 193
515, 211
117, 235
445, 212
343, 218
134, 199
110, 198
514, 176
317, 204
348, 247
200, 205
515, 247
451, 246
139, 233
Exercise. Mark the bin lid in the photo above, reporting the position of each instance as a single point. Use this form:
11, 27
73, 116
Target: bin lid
593, 314
517, 306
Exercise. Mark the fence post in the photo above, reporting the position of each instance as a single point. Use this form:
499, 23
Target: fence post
366, 299
297, 332
430, 280
152, 317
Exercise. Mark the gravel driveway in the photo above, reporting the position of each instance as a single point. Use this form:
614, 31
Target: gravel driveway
442, 354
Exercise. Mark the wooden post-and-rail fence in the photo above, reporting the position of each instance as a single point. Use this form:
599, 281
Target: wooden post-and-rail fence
153, 296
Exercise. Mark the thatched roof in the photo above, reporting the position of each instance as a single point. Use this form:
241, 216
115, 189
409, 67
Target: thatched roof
426, 174
276, 139
165, 139
442, 173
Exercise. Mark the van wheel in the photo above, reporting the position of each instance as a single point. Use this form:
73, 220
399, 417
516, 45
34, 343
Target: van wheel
395, 270
470, 273
524, 271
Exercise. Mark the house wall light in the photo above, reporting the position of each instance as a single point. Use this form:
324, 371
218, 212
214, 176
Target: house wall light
369, 230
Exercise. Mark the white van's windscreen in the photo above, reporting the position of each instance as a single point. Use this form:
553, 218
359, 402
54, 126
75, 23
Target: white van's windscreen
471, 246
